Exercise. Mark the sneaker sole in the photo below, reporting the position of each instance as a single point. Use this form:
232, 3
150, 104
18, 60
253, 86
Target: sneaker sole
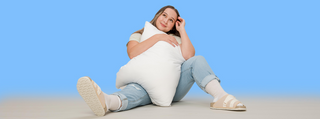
88, 93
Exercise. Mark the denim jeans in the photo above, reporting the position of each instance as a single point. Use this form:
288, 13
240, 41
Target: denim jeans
195, 69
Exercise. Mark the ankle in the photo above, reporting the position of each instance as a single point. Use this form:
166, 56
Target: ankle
217, 97
115, 102
214, 88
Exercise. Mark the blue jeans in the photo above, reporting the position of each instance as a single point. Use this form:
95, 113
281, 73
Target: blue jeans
195, 69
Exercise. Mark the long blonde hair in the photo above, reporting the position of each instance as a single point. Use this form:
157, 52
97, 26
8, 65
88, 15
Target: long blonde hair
153, 21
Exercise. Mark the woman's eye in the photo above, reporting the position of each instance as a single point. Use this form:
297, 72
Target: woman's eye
171, 20
164, 15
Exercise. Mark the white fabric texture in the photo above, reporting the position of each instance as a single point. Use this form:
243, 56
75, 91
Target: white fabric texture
157, 69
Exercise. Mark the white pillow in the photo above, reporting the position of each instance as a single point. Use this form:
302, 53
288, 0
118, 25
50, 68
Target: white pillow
157, 69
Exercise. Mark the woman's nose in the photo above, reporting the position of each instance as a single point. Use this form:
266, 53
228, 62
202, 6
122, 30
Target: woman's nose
165, 20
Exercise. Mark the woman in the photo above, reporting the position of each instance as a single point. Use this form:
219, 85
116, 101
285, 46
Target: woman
194, 69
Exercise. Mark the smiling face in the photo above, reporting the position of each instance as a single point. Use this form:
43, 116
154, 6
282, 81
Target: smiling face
166, 20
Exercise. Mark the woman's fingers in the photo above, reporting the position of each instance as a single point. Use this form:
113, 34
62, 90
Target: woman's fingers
170, 39
182, 21
173, 40
173, 45
177, 25
170, 42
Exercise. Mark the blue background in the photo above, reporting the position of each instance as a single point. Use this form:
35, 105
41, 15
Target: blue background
266, 47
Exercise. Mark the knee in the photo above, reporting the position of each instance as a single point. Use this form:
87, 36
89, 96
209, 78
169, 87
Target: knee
194, 62
199, 59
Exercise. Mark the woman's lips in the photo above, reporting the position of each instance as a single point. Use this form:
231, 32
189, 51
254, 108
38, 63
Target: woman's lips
162, 25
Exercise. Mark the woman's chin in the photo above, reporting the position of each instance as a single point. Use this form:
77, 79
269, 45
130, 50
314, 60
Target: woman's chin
161, 29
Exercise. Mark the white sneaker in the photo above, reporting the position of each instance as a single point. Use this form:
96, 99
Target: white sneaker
92, 95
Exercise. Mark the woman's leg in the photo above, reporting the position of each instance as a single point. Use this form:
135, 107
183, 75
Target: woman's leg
195, 69
133, 95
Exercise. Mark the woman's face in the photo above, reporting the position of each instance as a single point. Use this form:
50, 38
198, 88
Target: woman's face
166, 20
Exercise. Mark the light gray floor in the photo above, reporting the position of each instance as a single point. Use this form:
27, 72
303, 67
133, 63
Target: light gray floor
192, 107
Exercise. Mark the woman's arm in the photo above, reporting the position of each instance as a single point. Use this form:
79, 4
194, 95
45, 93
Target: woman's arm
135, 48
187, 48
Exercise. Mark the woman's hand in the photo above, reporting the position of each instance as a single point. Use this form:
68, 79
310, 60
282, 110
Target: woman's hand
167, 38
180, 24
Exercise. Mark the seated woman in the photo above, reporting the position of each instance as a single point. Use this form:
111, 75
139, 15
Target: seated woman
194, 69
